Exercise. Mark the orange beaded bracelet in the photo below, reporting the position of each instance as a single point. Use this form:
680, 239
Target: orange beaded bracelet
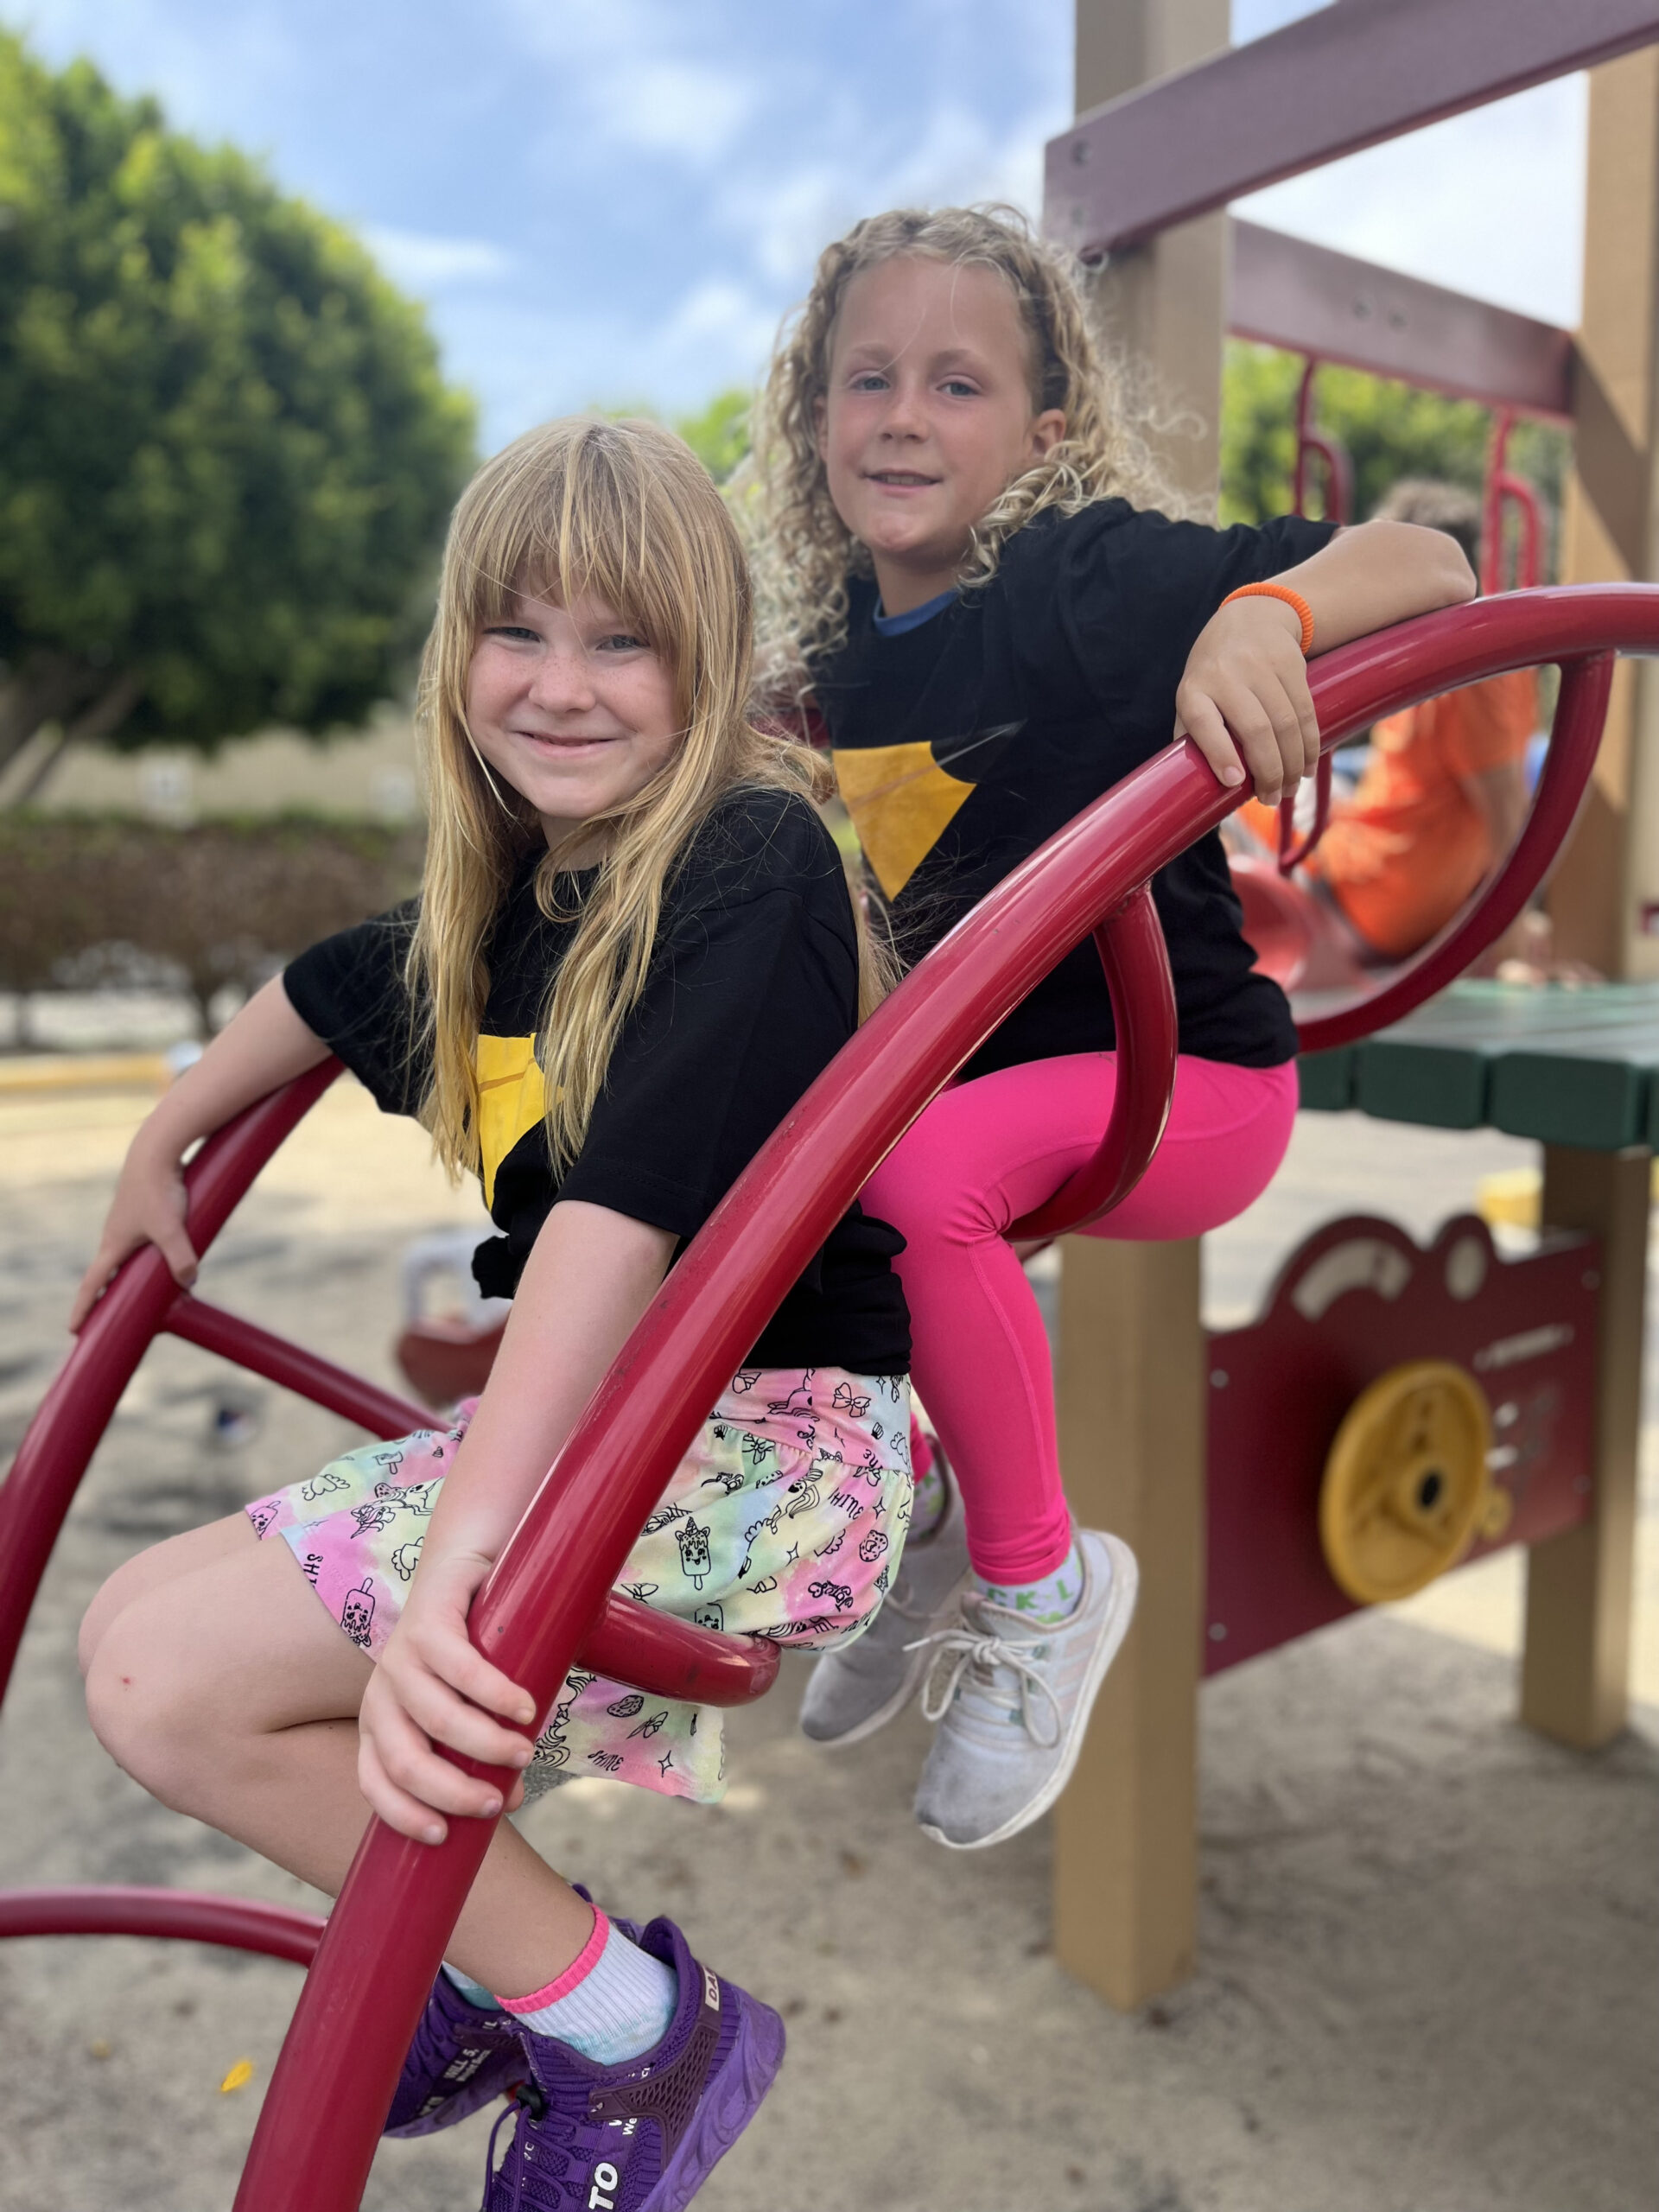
1294, 600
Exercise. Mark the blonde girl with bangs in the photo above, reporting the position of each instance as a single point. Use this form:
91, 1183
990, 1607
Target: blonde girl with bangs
966, 571
633, 948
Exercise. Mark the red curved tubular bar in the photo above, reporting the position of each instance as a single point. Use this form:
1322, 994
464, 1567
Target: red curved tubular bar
316, 2134
238, 1923
629, 1642
1503, 486
1142, 991
1310, 439
1293, 849
549, 1596
261, 1353
76, 1410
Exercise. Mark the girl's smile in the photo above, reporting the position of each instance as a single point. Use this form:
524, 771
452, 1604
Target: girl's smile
928, 416
573, 708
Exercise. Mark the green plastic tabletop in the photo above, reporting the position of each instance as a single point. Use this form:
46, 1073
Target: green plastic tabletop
1569, 1067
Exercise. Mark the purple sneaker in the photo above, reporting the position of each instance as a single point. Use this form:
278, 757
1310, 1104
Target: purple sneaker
643, 2136
461, 2057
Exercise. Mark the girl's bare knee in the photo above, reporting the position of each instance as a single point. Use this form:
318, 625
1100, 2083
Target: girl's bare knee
150, 1710
115, 1594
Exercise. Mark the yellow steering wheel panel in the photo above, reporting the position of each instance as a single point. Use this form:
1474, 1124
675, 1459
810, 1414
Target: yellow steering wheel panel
1405, 1483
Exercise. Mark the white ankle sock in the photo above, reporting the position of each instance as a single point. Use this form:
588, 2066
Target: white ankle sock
473, 1991
1053, 1598
612, 2004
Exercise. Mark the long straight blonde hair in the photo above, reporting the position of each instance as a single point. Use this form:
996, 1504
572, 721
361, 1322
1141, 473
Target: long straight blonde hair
624, 511
804, 552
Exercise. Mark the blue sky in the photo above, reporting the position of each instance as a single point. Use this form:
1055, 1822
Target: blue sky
616, 199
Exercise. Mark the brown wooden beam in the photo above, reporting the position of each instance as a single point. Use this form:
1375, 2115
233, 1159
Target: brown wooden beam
1309, 299
1346, 77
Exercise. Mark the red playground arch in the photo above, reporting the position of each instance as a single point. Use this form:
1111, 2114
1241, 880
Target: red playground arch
550, 1600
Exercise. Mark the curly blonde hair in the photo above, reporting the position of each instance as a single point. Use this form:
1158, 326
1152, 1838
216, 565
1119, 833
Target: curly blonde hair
803, 552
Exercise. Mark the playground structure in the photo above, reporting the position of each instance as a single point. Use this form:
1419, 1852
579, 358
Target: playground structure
550, 1601
1172, 126
1131, 1342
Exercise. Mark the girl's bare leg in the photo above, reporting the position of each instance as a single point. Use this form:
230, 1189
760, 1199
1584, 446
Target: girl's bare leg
149, 1570
227, 1691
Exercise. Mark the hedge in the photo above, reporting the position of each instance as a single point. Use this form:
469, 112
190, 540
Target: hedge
95, 902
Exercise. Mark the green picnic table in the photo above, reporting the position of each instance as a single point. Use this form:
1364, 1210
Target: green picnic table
1577, 1070
1577, 1067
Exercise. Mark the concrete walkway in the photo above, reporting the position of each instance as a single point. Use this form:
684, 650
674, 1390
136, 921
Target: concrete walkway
1430, 1976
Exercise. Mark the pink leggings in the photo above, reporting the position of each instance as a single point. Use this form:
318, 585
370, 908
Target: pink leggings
983, 1154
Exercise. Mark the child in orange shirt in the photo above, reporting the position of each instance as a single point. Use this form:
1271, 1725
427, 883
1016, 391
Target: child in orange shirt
1445, 792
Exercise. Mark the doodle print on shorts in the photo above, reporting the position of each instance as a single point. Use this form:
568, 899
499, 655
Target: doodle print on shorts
786, 1524
695, 1562
358, 1613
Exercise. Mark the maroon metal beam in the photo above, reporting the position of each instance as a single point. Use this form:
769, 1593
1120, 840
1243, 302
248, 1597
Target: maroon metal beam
280, 1931
1288, 292
318, 2129
296, 1369
76, 1410
1346, 77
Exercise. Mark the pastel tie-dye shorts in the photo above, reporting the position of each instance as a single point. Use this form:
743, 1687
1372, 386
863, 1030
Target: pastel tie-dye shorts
786, 1518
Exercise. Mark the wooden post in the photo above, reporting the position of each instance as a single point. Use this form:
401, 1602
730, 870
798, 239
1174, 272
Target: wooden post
1133, 1412
1580, 1586
1131, 1369
1165, 303
1610, 871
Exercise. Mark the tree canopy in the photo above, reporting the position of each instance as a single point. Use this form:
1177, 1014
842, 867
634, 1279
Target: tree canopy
226, 449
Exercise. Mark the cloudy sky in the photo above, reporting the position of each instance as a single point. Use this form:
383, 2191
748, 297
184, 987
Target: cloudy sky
616, 199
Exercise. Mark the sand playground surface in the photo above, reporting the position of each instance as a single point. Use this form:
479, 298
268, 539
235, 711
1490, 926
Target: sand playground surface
1429, 1972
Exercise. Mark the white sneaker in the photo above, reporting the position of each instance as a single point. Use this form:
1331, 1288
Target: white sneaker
1012, 1700
859, 1687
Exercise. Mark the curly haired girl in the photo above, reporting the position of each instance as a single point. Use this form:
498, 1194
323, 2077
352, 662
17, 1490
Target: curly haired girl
965, 567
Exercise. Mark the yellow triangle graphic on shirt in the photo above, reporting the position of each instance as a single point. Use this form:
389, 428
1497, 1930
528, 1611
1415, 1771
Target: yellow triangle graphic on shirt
901, 802
512, 1100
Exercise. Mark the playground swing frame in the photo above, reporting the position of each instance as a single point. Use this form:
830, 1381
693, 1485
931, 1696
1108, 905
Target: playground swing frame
550, 1600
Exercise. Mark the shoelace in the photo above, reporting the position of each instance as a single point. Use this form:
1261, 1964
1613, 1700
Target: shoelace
964, 1644
528, 2102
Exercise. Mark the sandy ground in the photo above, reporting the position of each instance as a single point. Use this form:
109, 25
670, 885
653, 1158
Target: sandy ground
1430, 1971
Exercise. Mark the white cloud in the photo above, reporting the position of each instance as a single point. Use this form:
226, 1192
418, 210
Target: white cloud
719, 334
1491, 202
422, 259
636, 74
678, 107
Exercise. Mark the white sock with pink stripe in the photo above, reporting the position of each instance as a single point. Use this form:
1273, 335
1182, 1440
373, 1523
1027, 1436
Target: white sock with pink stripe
612, 2003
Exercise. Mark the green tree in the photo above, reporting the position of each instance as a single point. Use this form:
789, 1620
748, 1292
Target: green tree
227, 450
720, 435
1390, 431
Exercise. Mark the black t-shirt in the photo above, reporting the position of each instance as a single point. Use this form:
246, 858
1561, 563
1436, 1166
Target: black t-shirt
965, 743
752, 991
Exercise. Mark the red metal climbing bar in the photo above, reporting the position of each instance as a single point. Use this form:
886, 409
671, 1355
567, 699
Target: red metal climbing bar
279, 1931
1138, 982
317, 2131
294, 1368
76, 1410
550, 1598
